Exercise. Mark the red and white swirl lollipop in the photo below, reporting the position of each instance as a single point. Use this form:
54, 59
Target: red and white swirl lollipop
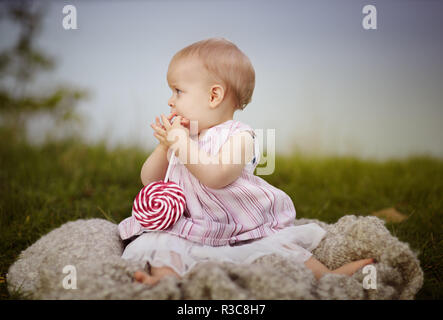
159, 204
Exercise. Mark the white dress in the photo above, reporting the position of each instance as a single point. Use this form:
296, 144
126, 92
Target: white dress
163, 249
239, 223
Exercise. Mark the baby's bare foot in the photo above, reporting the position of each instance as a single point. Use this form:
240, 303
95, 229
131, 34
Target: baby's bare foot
157, 274
350, 268
143, 277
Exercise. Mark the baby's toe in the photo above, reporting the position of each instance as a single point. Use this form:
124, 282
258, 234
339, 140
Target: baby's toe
140, 276
143, 277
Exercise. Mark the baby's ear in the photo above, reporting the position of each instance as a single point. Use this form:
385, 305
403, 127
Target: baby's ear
217, 92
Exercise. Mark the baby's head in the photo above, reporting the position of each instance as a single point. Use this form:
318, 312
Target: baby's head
210, 80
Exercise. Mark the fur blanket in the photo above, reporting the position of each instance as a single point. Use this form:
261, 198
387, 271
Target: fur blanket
94, 248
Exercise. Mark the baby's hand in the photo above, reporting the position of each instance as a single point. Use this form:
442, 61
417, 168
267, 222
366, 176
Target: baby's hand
157, 126
162, 130
185, 122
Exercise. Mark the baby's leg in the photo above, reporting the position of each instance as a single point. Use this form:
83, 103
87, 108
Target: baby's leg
317, 268
349, 269
157, 274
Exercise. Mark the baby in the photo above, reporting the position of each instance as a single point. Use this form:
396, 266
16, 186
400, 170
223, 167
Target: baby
231, 214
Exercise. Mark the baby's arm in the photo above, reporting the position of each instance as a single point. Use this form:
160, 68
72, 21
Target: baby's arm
220, 170
155, 166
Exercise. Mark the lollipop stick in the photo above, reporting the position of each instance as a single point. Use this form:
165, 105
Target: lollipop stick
169, 166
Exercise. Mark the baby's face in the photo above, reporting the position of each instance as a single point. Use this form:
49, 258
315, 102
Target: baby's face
190, 87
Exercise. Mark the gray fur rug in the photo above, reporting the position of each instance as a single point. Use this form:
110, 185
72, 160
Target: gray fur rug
94, 248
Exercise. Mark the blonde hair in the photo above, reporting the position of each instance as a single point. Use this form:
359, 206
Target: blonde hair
227, 64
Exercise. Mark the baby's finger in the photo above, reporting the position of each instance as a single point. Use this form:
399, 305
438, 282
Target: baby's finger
166, 122
172, 115
158, 129
177, 120
185, 122
159, 123
160, 138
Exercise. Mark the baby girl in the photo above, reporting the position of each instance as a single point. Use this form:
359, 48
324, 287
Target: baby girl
231, 214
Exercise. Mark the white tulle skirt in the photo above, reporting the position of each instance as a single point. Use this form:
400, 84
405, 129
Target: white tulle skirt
163, 249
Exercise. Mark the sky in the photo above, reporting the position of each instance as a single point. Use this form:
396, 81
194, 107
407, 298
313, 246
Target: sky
324, 83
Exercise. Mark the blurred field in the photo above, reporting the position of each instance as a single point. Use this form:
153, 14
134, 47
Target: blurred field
44, 187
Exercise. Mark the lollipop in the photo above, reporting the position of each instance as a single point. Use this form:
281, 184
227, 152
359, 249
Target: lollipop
159, 204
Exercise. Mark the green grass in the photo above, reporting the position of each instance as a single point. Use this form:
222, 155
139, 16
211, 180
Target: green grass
43, 187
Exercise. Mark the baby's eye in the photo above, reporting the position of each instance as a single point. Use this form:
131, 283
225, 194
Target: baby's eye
178, 91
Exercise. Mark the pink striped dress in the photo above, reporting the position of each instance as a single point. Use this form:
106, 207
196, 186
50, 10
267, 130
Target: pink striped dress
239, 223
